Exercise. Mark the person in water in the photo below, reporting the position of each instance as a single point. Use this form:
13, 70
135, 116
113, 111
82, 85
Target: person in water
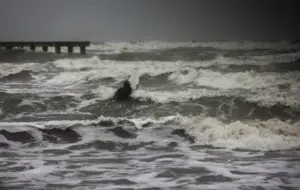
124, 92
129, 85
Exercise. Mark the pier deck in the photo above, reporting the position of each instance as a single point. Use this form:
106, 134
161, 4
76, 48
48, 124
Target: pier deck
57, 44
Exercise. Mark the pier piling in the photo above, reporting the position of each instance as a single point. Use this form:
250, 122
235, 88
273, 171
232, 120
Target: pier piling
70, 49
45, 48
82, 49
57, 49
32, 47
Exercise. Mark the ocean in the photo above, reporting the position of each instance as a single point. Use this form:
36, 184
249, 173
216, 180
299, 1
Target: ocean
206, 115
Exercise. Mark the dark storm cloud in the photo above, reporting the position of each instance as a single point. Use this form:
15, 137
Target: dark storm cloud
178, 20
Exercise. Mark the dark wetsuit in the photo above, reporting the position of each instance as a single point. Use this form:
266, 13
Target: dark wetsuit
124, 92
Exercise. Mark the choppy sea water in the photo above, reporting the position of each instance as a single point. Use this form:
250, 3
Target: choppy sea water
206, 115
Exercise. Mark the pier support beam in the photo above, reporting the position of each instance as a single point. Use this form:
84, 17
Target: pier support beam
82, 49
9, 47
32, 47
45, 48
70, 49
57, 49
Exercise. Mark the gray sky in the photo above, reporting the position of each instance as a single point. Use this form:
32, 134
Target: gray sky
171, 20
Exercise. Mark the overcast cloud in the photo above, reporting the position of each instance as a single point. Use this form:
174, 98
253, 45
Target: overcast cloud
174, 20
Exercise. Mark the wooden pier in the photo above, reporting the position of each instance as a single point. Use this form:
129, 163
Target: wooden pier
57, 44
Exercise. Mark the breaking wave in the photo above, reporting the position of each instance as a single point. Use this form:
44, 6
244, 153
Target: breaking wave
117, 47
272, 134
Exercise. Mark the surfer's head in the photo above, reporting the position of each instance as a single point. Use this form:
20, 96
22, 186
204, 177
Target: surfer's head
126, 85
